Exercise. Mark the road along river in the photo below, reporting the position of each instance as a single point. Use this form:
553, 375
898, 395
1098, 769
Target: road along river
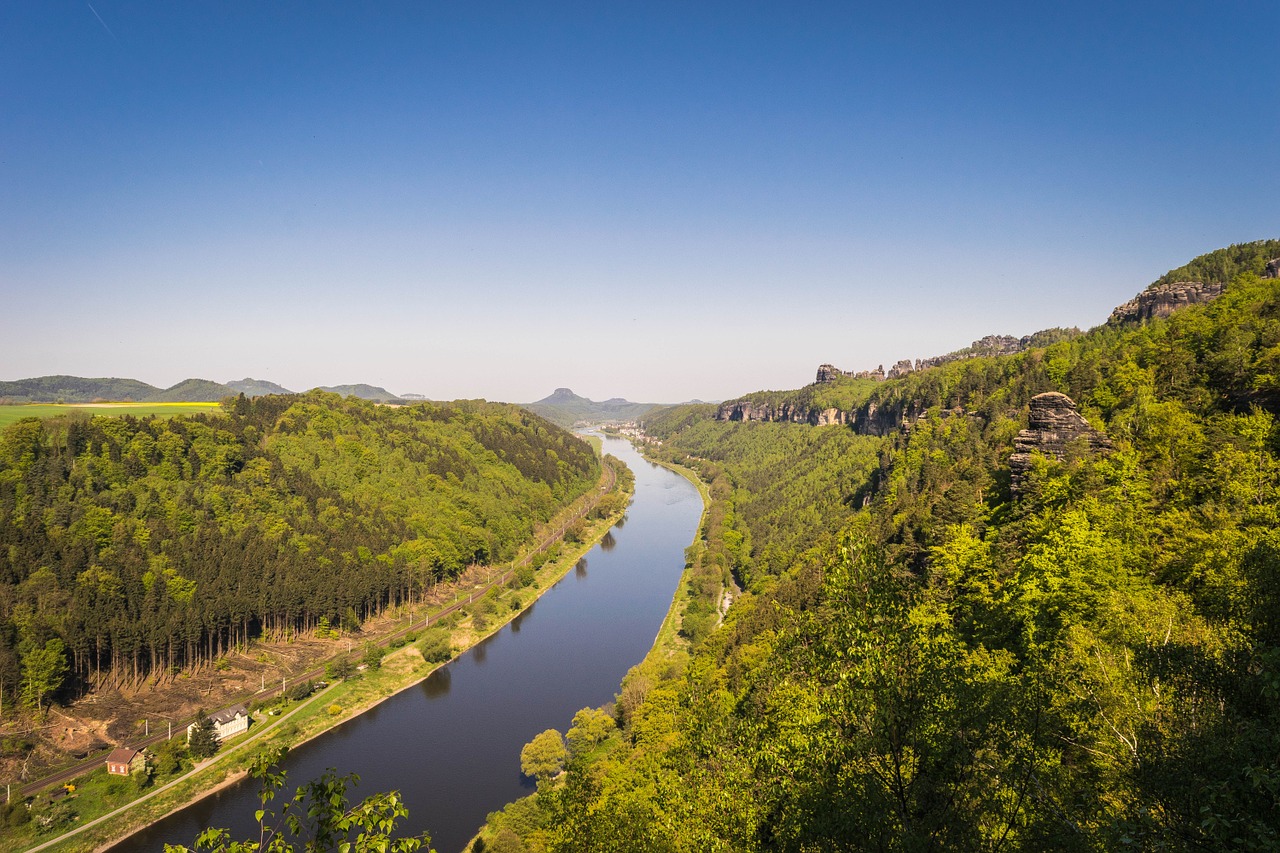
451, 744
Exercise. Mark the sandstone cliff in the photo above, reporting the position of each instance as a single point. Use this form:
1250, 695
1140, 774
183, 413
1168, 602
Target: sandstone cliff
798, 413
1161, 300
1054, 426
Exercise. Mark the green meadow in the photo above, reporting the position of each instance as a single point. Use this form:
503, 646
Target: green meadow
10, 414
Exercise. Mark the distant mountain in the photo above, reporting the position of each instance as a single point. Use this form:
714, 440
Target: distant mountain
364, 392
192, 391
257, 387
565, 408
75, 389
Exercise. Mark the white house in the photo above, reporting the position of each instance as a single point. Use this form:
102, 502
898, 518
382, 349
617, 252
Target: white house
226, 723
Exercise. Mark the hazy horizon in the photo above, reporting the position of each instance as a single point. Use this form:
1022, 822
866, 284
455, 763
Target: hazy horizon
653, 202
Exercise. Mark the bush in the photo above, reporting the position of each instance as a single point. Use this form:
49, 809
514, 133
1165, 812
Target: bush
341, 668
373, 656
15, 813
301, 690
436, 646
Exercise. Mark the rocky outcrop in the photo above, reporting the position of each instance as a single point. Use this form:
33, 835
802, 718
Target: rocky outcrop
830, 373
1273, 269
1054, 427
745, 410
902, 368
1161, 300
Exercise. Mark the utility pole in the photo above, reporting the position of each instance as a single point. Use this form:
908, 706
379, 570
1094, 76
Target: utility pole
146, 728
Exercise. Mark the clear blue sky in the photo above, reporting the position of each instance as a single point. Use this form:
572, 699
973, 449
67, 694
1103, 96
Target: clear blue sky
656, 201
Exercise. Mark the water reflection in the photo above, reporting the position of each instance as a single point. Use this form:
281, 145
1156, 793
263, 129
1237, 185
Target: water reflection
580, 569
608, 543
480, 651
620, 523
438, 683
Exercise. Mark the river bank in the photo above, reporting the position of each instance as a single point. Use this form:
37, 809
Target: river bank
451, 745
667, 654
476, 614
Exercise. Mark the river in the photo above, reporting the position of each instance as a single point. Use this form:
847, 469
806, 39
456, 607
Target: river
451, 744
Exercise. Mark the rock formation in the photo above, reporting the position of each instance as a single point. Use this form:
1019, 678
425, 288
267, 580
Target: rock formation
830, 373
1273, 269
745, 410
902, 368
1161, 300
1054, 426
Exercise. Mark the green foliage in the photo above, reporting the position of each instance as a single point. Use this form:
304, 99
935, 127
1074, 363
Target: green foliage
544, 756
921, 659
53, 817
318, 817
436, 645
143, 544
300, 690
340, 668
44, 668
590, 727
171, 757
372, 656
202, 739
1223, 265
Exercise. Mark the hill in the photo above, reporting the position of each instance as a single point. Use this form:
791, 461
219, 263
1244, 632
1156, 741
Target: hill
1039, 613
364, 392
566, 408
193, 391
136, 547
256, 387
75, 389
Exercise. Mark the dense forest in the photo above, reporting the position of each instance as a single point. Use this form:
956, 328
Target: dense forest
132, 546
924, 658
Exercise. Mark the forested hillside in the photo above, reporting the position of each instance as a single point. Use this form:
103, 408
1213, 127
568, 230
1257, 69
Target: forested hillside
135, 546
924, 659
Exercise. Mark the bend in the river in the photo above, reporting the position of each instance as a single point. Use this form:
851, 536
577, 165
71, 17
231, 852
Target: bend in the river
451, 744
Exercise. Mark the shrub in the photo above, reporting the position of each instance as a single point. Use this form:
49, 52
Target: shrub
301, 690
436, 646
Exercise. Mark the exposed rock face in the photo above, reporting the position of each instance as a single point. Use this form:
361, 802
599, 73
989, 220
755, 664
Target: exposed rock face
902, 368
745, 410
1161, 300
1273, 269
1054, 425
828, 373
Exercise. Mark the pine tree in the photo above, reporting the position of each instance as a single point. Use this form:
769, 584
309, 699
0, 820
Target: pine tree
202, 741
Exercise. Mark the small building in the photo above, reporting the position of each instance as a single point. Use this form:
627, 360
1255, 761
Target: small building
120, 761
227, 722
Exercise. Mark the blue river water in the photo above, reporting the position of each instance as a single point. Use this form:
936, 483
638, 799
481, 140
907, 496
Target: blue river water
451, 744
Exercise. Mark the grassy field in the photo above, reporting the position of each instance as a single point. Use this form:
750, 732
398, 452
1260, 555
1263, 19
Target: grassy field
10, 414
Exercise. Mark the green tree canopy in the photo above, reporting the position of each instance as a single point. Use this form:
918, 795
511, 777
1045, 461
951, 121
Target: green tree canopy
544, 756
